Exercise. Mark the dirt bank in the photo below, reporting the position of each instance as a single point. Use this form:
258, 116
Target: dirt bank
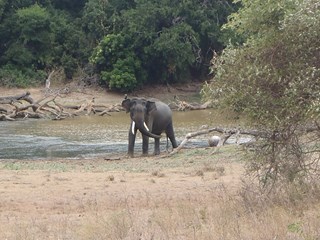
77, 95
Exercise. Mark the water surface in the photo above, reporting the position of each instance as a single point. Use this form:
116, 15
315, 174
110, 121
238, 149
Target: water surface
90, 136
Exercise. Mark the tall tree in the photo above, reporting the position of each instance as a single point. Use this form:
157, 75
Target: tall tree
274, 77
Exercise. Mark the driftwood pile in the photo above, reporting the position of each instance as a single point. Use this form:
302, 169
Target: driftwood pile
180, 105
23, 106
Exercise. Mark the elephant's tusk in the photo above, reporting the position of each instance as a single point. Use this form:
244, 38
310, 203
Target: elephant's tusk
133, 127
145, 125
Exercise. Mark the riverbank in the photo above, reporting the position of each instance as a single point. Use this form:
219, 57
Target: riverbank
77, 95
192, 195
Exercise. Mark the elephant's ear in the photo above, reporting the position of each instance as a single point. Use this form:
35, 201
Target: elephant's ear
126, 104
151, 106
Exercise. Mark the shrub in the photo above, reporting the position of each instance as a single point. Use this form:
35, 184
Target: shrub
13, 77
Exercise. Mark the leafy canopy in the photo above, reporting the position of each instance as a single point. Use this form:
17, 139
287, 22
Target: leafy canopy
164, 41
37, 36
170, 40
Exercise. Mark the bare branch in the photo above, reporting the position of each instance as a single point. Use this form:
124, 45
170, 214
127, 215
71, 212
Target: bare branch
226, 132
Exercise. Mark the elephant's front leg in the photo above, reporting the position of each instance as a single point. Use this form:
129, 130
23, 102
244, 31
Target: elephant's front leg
156, 146
145, 144
132, 138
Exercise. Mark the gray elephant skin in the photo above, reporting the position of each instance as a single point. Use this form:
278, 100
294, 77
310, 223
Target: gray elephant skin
151, 117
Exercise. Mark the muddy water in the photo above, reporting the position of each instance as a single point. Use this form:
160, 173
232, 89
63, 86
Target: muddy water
89, 136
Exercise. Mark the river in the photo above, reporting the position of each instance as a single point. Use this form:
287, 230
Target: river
93, 136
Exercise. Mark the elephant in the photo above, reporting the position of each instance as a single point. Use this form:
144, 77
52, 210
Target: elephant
151, 117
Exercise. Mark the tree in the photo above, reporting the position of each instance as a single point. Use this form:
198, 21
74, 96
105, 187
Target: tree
2, 8
171, 40
116, 61
37, 36
73, 7
34, 35
27, 33
71, 48
175, 46
96, 19
168, 41
274, 78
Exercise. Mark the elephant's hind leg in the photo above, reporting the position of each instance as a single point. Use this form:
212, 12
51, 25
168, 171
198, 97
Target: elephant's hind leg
170, 135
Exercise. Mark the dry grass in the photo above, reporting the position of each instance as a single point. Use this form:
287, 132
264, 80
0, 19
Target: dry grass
194, 195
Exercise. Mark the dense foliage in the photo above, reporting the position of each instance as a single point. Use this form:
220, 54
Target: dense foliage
130, 43
274, 77
37, 36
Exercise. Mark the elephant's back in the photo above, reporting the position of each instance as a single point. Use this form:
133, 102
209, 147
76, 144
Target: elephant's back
163, 110
162, 118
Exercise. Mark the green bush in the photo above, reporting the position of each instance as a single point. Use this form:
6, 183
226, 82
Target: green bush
13, 77
119, 66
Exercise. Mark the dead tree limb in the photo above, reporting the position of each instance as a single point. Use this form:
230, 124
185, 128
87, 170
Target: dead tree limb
227, 133
48, 80
3, 110
180, 105
105, 112
6, 117
12, 99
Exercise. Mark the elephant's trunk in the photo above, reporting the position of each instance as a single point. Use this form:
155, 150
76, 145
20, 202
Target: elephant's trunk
143, 129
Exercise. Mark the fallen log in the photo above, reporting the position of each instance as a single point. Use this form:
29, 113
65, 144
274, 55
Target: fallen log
227, 133
182, 106
26, 114
4, 117
3, 110
101, 110
12, 99
179, 105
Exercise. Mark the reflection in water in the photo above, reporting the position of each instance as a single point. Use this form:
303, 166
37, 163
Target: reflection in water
88, 136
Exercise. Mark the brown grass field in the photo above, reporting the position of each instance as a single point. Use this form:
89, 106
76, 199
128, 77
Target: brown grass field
194, 194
